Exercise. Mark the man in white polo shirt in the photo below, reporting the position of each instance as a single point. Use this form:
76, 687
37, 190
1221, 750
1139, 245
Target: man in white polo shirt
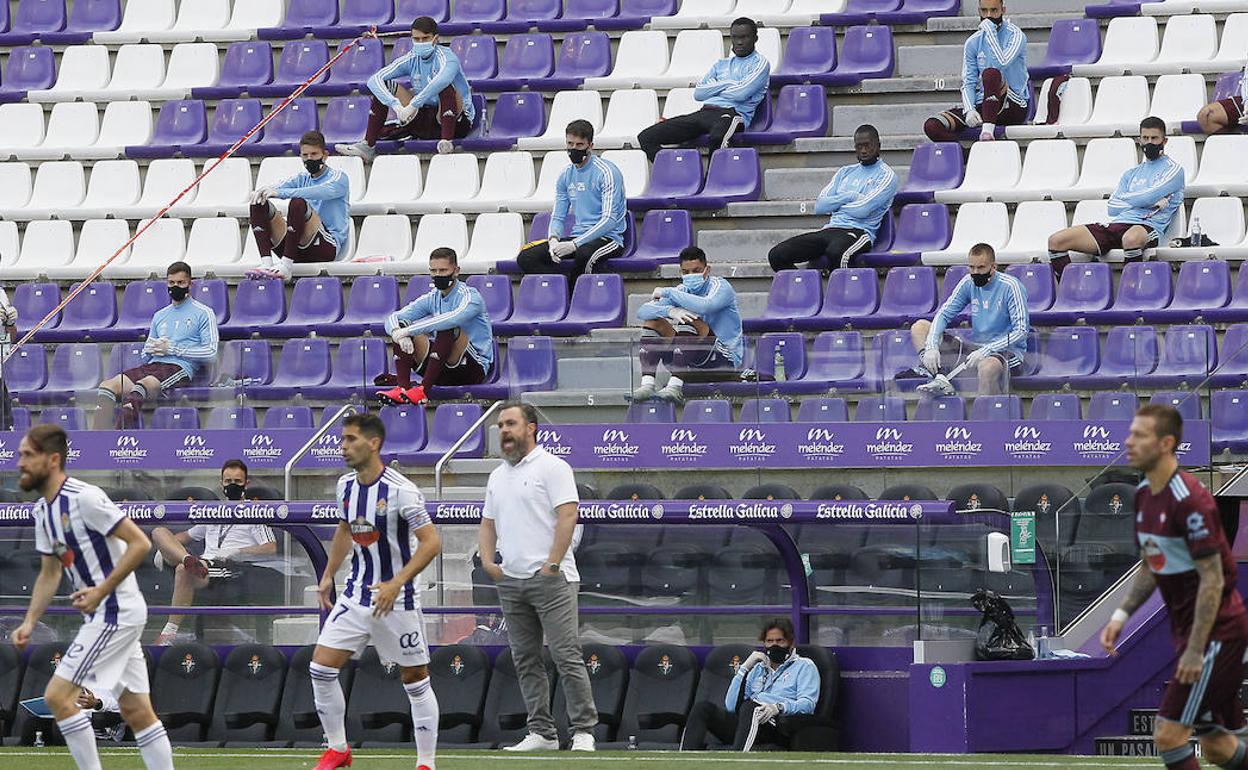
529, 517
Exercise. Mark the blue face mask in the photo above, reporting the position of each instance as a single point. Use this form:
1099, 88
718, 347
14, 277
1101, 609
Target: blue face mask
693, 281
422, 49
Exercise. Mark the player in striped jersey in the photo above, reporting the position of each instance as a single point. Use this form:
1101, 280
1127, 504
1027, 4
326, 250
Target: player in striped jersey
385, 528
80, 531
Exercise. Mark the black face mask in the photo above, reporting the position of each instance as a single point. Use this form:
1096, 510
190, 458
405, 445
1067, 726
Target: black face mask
443, 282
1152, 151
233, 491
998, 20
578, 156
178, 293
777, 654
314, 165
870, 161
981, 279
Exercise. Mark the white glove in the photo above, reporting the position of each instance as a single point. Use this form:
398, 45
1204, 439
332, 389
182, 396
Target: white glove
561, 249
767, 712
975, 356
403, 341
405, 113
931, 360
971, 118
262, 195
753, 660
657, 294
682, 316
9, 314
159, 346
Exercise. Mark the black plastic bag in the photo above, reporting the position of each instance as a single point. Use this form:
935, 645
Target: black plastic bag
999, 637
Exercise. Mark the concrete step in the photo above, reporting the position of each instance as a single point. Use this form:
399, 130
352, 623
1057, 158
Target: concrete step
804, 184
741, 245
582, 373
887, 118
945, 61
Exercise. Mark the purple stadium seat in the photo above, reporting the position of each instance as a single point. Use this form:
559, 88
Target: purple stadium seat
359, 360
883, 243
909, 294
582, 55
1114, 8
1071, 41
70, 418
1084, 289
1233, 371
215, 294
123, 356
516, 114
1009, 407
893, 354
356, 17
417, 286
21, 419
175, 418
541, 299
1237, 308
764, 410
664, 233
302, 16
85, 19
836, 360
302, 364
407, 11
1187, 402
406, 430
674, 176
34, 301
1143, 286
866, 52
953, 276
233, 119
794, 294
300, 59
315, 302
1039, 284
353, 70
256, 304
824, 409
1056, 406
651, 412
450, 421
279, 417
940, 408
880, 409
180, 122
346, 119
530, 366
934, 166
496, 293
920, 227
635, 14
283, 132
598, 302
1130, 354
707, 410
1067, 351
467, 15
91, 312
792, 349
243, 364
734, 174
370, 300
1228, 412
231, 418
246, 64
852, 293
32, 19
858, 12
1202, 286
74, 371
478, 55
918, 11
801, 110
30, 68
27, 371
1188, 355
525, 57
5, 18
523, 15
579, 14
139, 302
809, 51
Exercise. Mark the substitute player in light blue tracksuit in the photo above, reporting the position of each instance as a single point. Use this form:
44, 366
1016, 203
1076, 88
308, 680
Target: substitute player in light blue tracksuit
999, 325
856, 200
1140, 209
591, 190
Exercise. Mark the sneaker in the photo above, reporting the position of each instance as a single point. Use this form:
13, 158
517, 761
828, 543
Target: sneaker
360, 149
416, 395
644, 393
333, 759
445, 146
534, 742
987, 136
392, 396
583, 742
265, 272
671, 392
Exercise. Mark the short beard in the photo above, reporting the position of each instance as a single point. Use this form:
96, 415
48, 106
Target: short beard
36, 483
514, 455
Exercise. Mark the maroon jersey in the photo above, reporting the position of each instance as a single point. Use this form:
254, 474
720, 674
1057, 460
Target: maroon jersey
1175, 528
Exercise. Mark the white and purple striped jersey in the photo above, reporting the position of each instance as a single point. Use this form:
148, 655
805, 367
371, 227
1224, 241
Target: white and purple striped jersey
77, 527
383, 517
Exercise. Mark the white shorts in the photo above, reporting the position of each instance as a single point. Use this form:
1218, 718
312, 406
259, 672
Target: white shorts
399, 637
105, 658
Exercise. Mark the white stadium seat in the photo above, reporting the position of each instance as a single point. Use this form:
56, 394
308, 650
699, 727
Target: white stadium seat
248, 16
223, 192
801, 13
543, 197
1121, 103
44, 244
71, 126
1177, 98
976, 223
693, 53
1222, 221
495, 236
629, 111
125, 124
113, 183
165, 178
99, 240
274, 171
214, 241
59, 185
435, 230
138, 68
768, 45
160, 244
195, 20
1034, 222
393, 179
15, 186
1223, 167
10, 244
1076, 110
567, 106
1050, 167
1232, 48
191, 65
385, 235
142, 17
1177, 7
451, 178
634, 167
1130, 41
680, 101
1189, 42
695, 14
507, 176
21, 128
1182, 150
83, 69
1104, 161
641, 53
992, 168
353, 168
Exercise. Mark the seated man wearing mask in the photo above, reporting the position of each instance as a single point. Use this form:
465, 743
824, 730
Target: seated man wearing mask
221, 542
784, 683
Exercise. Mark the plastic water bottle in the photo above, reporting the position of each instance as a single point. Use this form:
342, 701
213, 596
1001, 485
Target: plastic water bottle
1043, 651
632, 743
779, 365
1195, 232
1031, 642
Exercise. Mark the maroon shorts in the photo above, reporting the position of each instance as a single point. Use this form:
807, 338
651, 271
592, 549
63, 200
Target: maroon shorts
1234, 107
1109, 237
1212, 702
170, 375
469, 372
322, 248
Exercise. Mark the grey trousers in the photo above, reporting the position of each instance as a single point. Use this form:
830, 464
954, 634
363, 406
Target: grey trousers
538, 606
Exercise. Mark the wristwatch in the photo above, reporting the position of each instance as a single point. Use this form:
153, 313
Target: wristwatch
552, 566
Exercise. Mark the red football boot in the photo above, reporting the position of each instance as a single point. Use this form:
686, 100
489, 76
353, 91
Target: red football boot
333, 759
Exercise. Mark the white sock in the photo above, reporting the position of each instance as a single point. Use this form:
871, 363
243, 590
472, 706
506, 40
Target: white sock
288, 263
170, 628
647, 379
154, 747
424, 720
80, 738
675, 382
331, 705
988, 128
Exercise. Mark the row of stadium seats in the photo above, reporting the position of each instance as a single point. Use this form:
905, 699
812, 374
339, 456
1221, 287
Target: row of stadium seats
1190, 43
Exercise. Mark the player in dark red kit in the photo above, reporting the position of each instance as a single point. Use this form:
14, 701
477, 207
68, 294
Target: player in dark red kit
1186, 555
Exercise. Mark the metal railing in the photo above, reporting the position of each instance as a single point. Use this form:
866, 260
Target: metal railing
446, 457
290, 464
